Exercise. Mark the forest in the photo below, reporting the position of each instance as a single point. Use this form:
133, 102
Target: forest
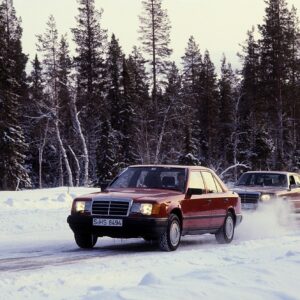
78, 120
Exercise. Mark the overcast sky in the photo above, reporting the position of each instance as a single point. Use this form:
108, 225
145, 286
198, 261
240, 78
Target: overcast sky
217, 25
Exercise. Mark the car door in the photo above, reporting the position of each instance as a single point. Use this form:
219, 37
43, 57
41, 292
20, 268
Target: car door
218, 198
196, 209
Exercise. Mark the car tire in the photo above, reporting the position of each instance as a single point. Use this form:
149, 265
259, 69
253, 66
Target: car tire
170, 238
85, 241
226, 232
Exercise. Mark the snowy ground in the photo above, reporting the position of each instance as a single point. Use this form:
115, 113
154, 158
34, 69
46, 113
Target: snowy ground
39, 259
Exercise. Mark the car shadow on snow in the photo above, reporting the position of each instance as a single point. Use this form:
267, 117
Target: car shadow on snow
139, 245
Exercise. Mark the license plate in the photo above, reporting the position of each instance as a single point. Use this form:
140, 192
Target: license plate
248, 206
107, 222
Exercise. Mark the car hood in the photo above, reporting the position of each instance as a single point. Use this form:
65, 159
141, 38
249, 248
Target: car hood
155, 195
259, 189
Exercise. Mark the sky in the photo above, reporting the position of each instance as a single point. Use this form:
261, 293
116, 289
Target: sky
220, 26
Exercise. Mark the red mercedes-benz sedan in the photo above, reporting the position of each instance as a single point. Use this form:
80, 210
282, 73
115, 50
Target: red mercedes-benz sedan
157, 202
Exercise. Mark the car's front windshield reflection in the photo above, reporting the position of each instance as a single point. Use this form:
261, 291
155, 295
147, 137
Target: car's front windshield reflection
152, 177
263, 179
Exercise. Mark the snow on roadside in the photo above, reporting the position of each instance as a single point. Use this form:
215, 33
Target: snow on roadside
39, 259
41, 199
36, 214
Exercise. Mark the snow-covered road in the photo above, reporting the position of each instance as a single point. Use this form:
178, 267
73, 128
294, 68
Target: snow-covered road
40, 260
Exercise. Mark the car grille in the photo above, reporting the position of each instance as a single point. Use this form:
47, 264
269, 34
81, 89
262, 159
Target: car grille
249, 198
110, 208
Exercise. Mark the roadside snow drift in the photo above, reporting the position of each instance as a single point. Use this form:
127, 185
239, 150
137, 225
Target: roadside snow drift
40, 260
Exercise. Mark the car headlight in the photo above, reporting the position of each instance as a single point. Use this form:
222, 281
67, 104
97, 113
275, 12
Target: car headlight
82, 206
265, 197
143, 208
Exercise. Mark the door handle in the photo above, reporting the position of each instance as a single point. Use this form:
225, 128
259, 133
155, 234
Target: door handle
225, 199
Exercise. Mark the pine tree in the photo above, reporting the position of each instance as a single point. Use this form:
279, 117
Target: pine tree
114, 82
292, 138
64, 68
175, 119
155, 36
38, 125
120, 99
12, 86
208, 106
228, 96
141, 102
106, 162
128, 128
192, 63
192, 90
251, 109
275, 54
188, 157
90, 39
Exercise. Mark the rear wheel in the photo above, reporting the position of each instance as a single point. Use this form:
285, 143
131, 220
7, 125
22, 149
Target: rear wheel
170, 238
226, 232
85, 241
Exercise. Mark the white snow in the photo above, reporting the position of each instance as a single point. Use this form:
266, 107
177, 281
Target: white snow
40, 260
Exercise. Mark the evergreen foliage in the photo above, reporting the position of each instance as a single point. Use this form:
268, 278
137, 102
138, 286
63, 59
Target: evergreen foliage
155, 37
13, 88
82, 120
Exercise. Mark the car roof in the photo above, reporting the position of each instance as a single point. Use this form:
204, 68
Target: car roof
170, 166
273, 172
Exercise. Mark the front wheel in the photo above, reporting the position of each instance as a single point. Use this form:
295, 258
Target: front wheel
226, 232
85, 241
170, 238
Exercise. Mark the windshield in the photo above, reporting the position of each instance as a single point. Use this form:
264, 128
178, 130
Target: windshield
263, 179
152, 177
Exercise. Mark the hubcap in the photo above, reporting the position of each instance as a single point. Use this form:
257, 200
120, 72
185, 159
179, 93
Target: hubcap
229, 227
174, 233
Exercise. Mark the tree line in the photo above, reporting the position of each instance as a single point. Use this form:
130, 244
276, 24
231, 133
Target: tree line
80, 120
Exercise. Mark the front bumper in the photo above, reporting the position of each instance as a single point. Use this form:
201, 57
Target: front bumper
132, 227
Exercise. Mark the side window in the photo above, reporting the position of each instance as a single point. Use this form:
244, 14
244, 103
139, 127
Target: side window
219, 188
297, 179
210, 182
196, 180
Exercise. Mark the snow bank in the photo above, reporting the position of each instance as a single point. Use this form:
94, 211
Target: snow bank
41, 199
37, 214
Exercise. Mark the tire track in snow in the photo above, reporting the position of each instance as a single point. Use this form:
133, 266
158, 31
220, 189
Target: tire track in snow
63, 257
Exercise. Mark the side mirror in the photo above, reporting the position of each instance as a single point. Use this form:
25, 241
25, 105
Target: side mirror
104, 185
194, 191
292, 186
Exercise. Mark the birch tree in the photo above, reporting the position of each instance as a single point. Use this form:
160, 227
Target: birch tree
48, 45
